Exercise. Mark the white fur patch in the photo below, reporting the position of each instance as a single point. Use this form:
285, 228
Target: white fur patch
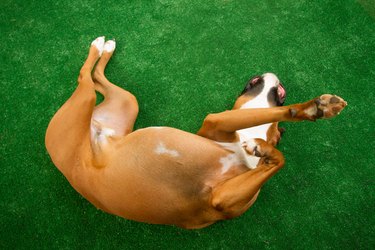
311, 111
99, 44
239, 156
260, 101
228, 161
99, 134
254, 132
109, 46
251, 144
162, 149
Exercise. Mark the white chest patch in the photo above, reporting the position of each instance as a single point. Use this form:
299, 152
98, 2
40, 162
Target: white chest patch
260, 101
239, 156
254, 132
228, 161
162, 149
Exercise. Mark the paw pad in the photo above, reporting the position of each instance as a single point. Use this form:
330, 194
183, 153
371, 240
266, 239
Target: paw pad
328, 106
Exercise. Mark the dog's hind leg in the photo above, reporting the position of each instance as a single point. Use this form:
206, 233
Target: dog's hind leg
223, 126
68, 134
119, 109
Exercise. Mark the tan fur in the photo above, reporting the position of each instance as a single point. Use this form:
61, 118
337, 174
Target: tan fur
158, 175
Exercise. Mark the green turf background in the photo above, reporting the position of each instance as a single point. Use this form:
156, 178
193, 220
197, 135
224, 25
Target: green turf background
183, 60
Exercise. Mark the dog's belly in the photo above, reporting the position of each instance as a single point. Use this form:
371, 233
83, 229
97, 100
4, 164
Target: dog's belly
159, 174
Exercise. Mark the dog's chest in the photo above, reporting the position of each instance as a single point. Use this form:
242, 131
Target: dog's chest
254, 132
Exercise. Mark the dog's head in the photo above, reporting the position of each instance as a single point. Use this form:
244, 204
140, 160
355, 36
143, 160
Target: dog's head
262, 92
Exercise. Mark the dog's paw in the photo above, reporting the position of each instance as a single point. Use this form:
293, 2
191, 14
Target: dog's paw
253, 147
322, 107
110, 46
98, 43
329, 106
325, 106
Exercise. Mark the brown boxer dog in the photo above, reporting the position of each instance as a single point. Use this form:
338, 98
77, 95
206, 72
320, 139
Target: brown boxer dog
164, 175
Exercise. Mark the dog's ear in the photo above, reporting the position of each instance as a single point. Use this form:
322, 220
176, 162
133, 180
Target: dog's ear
254, 81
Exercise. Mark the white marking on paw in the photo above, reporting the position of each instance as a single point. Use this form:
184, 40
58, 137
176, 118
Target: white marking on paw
162, 149
311, 111
251, 145
109, 46
99, 44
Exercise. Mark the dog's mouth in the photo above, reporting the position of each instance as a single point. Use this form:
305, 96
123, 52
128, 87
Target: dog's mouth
281, 92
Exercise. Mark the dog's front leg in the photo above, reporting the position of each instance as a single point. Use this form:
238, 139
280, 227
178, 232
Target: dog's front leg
223, 126
236, 195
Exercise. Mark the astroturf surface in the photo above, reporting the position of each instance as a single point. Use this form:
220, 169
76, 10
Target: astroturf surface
183, 60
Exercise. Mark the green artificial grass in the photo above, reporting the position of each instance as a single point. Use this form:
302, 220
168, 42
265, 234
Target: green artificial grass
185, 59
